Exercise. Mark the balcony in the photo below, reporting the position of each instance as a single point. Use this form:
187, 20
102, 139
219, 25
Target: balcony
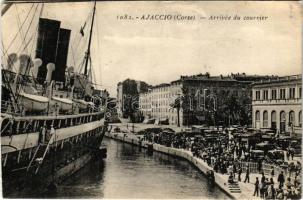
278, 101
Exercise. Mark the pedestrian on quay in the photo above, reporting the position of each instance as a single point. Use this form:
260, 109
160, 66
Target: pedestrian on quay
266, 184
281, 179
287, 154
239, 173
256, 192
262, 186
247, 175
280, 194
230, 170
289, 187
263, 178
272, 189
298, 168
234, 170
288, 184
292, 154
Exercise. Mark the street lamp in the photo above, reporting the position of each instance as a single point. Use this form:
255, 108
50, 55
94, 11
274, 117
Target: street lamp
204, 97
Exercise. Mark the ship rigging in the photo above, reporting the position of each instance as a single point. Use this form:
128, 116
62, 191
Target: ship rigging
82, 73
52, 118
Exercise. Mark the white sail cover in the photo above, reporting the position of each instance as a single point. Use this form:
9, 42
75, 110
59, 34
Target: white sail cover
33, 102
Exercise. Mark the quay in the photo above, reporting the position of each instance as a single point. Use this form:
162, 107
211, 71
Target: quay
239, 190
137, 133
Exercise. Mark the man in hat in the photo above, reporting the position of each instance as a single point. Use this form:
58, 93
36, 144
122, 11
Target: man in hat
247, 175
281, 179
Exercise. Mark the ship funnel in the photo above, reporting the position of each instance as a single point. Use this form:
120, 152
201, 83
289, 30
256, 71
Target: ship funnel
37, 64
11, 60
61, 55
47, 43
50, 68
25, 64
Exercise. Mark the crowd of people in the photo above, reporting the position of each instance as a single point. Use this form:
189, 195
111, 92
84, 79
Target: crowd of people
229, 156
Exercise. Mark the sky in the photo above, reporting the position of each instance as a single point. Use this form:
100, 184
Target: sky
158, 51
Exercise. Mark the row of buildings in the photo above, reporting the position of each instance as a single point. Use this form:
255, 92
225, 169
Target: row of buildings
261, 101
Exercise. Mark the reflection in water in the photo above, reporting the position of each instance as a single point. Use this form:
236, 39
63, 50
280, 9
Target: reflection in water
129, 172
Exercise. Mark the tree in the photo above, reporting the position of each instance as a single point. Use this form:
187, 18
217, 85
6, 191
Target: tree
177, 105
234, 109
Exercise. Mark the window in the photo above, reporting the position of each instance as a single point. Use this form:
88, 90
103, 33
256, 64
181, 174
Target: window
265, 94
257, 115
300, 118
292, 93
282, 116
300, 92
257, 95
265, 119
282, 93
273, 94
291, 118
273, 116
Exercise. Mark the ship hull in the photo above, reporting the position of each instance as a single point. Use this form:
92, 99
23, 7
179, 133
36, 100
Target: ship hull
23, 172
40, 187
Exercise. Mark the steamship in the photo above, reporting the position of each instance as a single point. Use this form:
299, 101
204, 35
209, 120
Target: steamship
52, 118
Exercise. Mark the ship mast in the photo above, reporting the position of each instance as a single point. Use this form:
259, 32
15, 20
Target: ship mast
89, 42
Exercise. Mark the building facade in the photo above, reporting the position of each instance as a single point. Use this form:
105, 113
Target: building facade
200, 96
277, 104
156, 103
128, 96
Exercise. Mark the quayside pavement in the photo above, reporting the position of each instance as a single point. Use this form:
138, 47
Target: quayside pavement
237, 190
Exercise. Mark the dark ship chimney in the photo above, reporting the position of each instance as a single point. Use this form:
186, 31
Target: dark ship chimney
46, 50
62, 52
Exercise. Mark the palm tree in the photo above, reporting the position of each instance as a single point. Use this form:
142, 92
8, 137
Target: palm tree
177, 104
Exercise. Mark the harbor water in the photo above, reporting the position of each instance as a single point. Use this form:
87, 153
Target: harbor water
130, 172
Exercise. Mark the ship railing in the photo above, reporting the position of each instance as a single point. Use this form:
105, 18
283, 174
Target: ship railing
13, 125
7, 107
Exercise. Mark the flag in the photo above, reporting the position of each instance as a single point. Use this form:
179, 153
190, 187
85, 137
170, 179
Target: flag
82, 29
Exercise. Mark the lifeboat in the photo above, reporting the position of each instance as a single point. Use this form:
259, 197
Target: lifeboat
63, 103
33, 102
83, 104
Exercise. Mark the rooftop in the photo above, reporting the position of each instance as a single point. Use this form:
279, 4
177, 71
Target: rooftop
242, 77
281, 79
